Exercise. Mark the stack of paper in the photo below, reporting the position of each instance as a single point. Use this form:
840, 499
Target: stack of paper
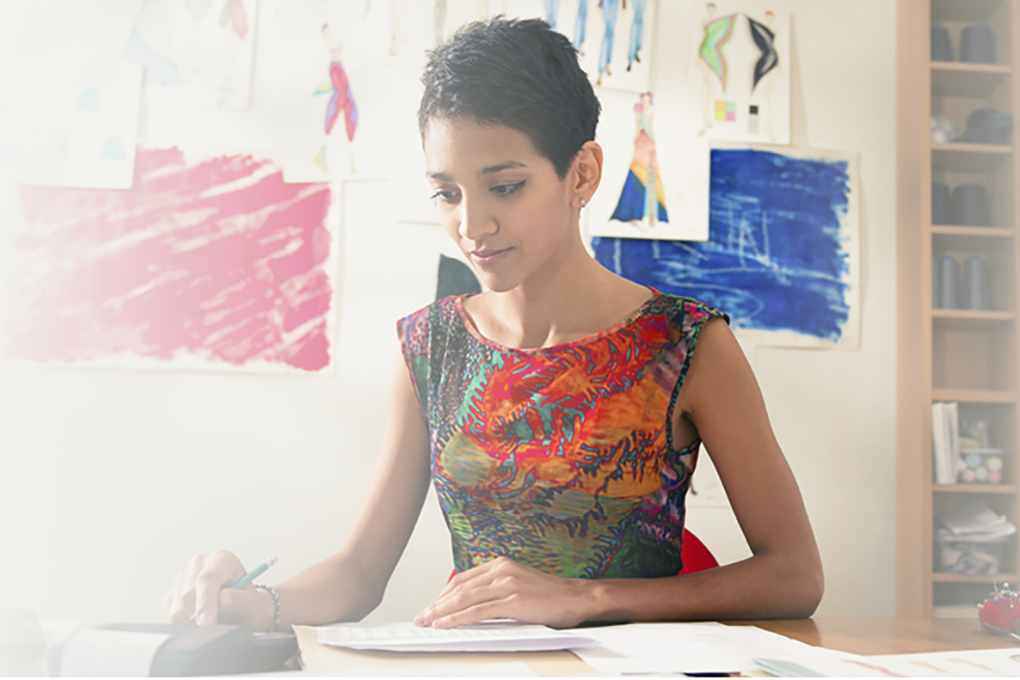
971, 538
490, 636
700, 648
975, 523
945, 439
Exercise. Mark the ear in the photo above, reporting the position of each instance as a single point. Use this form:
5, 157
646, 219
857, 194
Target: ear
586, 174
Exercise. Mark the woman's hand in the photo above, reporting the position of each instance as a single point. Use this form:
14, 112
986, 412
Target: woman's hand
199, 595
504, 589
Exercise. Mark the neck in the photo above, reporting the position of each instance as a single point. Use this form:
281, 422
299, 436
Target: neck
555, 305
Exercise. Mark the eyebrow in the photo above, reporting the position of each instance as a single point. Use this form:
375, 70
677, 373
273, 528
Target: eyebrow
491, 170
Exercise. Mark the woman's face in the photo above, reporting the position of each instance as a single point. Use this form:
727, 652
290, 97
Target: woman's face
499, 199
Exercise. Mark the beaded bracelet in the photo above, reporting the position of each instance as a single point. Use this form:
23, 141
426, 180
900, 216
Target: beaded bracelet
276, 599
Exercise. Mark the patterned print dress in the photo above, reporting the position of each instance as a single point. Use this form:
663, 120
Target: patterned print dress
562, 457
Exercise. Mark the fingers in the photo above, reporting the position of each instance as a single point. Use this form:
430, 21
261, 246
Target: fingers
196, 589
491, 581
181, 607
219, 570
503, 608
463, 578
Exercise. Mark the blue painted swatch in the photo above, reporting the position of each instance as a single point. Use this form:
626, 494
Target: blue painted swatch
113, 150
774, 259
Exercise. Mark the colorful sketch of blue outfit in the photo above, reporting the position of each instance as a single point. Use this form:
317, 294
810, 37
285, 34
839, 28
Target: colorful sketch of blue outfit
775, 259
764, 40
149, 43
637, 29
642, 197
580, 24
610, 10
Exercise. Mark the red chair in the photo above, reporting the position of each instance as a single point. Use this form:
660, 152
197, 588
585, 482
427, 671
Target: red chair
695, 556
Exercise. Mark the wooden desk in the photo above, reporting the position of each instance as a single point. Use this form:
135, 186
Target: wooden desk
857, 636
888, 636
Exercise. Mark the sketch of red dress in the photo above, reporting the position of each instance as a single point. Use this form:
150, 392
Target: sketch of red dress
643, 196
341, 101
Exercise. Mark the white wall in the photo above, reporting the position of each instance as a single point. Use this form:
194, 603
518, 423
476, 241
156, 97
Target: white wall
110, 480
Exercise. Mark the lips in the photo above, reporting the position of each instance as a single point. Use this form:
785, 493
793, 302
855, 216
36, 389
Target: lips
488, 257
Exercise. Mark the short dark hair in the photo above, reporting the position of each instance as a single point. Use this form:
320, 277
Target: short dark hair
514, 72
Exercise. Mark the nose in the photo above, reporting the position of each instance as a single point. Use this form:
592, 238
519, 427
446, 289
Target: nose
476, 220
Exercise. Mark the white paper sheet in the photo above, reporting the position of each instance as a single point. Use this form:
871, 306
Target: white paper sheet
975, 663
695, 648
514, 669
81, 134
484, 637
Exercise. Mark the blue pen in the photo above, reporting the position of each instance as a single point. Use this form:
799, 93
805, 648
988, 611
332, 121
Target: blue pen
253, 574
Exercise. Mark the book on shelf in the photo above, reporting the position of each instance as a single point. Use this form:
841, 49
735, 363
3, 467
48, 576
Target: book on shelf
945, 438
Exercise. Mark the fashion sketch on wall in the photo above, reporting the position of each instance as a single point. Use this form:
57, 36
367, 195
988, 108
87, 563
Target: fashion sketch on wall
80, 134
195, 52
654, 177
783, 256
334, 90
741, 57
614, 38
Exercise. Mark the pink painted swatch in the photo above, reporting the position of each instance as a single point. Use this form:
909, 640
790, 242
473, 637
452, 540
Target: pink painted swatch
218, 261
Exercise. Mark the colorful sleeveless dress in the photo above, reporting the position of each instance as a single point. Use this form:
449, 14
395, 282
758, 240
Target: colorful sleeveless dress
560, 458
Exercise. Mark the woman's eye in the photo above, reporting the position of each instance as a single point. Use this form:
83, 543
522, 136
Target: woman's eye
444, 196
507, 189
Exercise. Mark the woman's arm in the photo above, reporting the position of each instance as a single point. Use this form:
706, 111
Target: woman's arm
782, 578
350, 583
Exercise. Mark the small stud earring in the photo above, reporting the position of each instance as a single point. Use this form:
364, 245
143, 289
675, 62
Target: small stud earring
583, 202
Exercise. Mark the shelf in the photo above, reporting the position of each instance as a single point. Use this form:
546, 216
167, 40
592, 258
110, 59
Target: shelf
939, 577
963, 10
961, 79
968, 157
970, 319
974, 396
954, 237
975, 488
977, 232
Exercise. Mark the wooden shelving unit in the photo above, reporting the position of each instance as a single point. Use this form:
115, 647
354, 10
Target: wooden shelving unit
974, 488
967, 356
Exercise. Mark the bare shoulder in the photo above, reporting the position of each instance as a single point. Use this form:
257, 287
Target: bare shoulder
719, 371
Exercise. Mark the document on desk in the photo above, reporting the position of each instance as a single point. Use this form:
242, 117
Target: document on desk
697, 648
972, 663
489, 636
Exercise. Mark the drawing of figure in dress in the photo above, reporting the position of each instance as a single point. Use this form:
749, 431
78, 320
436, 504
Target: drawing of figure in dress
637, 30
765, 68
552, 10
580, 25
341, 100
642, 200
610, 10
716, 32
764, 39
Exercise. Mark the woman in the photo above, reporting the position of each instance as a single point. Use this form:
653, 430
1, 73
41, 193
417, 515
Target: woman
560, 412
